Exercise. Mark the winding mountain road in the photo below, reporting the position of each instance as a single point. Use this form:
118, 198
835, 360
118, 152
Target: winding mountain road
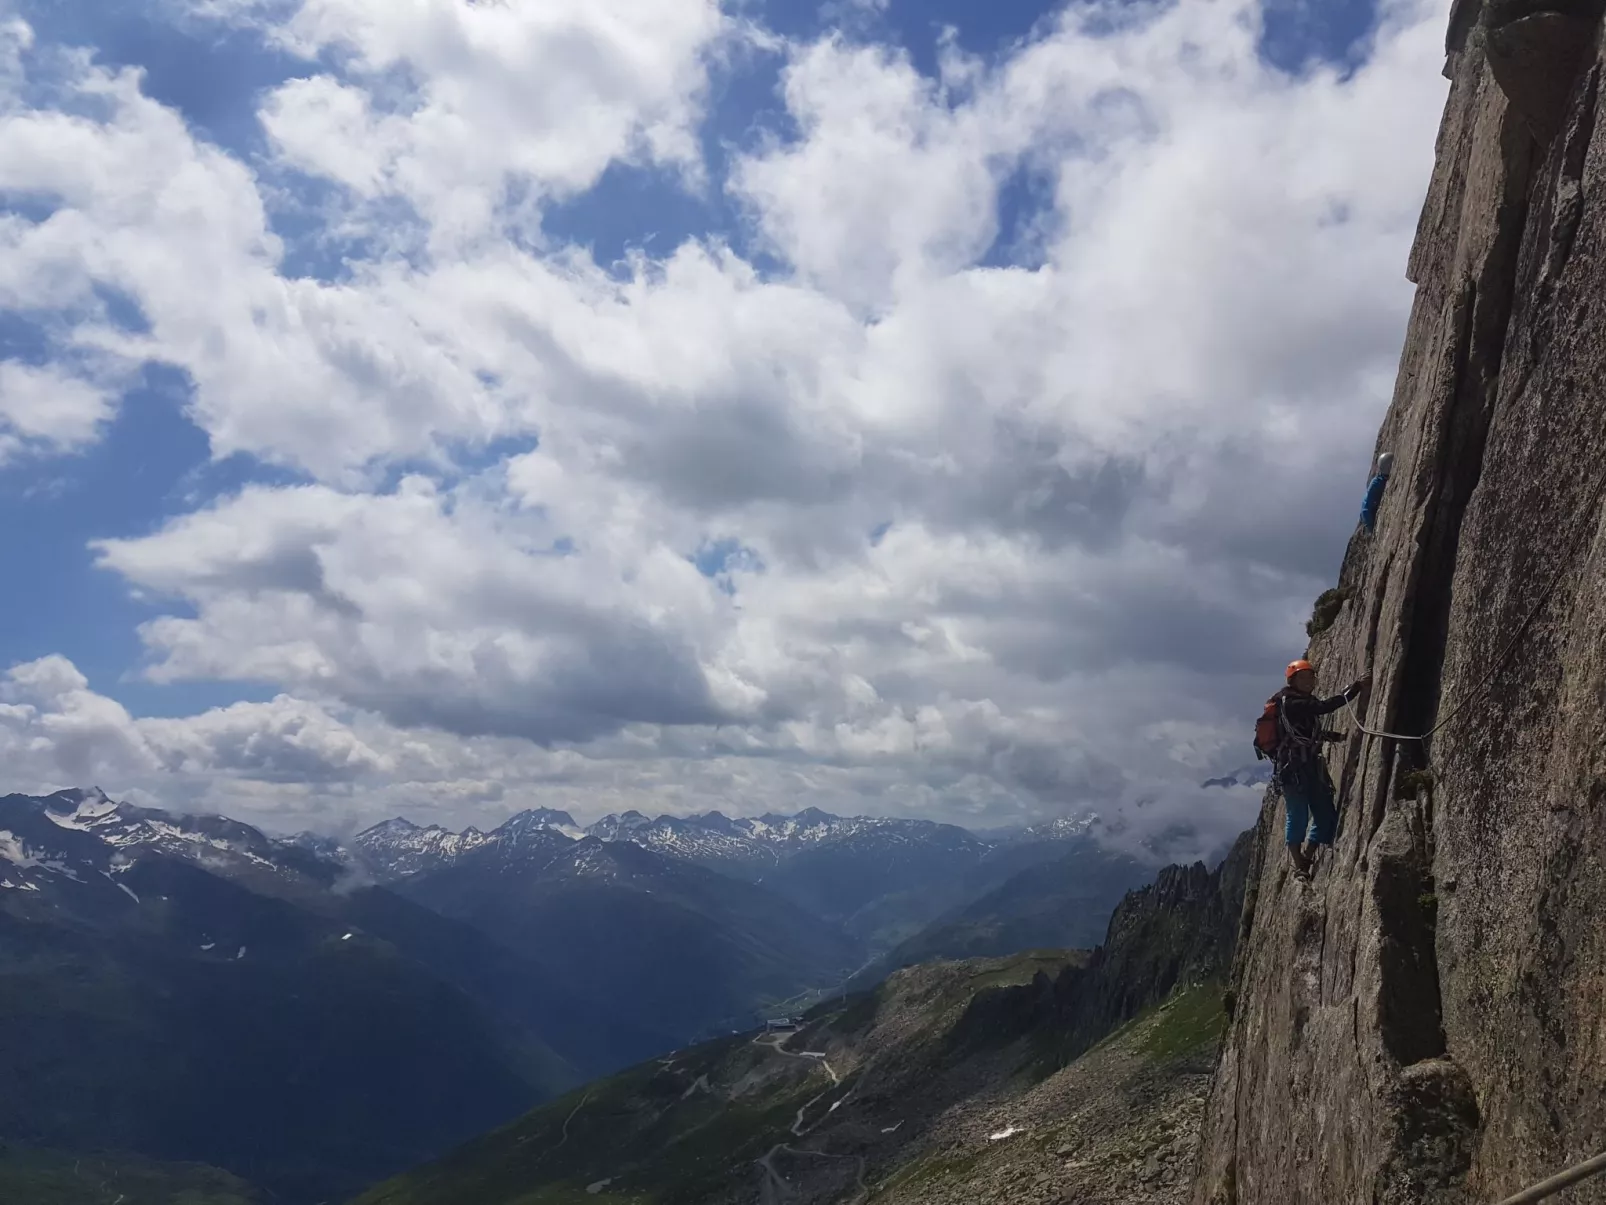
777, 1043
775, 1189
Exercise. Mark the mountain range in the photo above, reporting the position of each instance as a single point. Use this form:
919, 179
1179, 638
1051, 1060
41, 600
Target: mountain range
746, 847
193, 990
880, 879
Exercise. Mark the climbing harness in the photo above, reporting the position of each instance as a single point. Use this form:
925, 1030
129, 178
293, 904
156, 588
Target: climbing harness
1566, 1179
1276, 740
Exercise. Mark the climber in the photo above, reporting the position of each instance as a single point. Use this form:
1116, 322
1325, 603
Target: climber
1308, 796
1374, 491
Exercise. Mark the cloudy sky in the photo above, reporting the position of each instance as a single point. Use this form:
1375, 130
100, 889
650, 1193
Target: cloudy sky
923, 407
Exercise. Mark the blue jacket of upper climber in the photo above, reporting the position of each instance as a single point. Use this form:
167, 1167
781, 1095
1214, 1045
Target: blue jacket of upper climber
1374, 497
1374, 492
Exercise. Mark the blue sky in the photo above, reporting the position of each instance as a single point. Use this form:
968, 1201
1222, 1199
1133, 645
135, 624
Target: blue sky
151, 469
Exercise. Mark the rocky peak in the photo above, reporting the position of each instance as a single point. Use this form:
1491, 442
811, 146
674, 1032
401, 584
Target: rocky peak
534, 820
395, 826
1175, 889
618, 827
396, 848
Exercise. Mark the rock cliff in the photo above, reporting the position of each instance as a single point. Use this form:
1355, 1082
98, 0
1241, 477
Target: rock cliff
1178, 932
1426, 1021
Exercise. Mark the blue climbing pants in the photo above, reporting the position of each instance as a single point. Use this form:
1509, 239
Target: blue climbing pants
1308, 800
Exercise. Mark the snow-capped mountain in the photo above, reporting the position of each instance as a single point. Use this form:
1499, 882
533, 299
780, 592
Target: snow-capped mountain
1062, 828
881, 878
76, 834
753, 846
713, 840
398, 848
741, 846
37, 855
539, 820
621, 828
747, 847
811, 826
394, 849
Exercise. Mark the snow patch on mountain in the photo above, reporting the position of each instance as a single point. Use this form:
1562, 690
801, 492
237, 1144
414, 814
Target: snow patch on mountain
13, 851
538, 820
88, 809
1063, 828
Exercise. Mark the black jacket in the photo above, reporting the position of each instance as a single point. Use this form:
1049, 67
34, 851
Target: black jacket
1302, 727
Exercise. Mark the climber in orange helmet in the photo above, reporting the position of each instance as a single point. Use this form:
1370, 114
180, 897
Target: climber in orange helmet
1308, 796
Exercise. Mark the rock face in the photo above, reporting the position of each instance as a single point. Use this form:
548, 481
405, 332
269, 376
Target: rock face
1426, 1021
1177, 932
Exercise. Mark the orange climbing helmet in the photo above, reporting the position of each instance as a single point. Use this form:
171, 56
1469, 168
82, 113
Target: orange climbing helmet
1295, 667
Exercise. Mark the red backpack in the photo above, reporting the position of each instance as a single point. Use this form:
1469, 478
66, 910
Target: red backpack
1269, 729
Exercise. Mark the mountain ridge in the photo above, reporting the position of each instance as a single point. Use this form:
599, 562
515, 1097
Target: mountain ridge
747, 845
881, 879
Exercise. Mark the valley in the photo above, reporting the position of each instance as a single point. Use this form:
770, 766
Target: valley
872, 1098
1047, 1076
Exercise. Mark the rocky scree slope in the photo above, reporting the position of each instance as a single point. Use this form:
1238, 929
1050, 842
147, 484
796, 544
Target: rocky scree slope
1426, 1022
